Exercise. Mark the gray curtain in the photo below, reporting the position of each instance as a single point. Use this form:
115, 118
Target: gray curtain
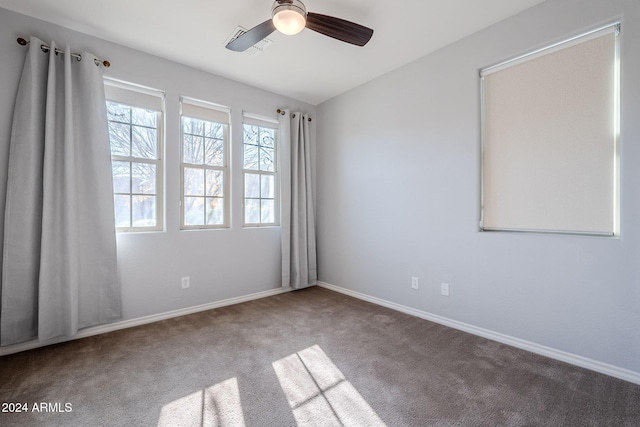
298, 233
59, 271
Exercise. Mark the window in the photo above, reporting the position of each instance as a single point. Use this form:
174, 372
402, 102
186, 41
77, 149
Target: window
550, 139
260, 171
135, 132
205, 142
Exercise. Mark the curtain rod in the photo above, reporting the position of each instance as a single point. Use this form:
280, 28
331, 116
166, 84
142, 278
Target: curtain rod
282, 113
45, 48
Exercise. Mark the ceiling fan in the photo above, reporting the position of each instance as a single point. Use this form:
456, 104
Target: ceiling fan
290, 17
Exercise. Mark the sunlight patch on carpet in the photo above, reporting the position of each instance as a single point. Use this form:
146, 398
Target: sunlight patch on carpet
218, 405
319, 394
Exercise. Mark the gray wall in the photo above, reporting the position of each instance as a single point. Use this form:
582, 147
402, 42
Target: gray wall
221, 263
398, 196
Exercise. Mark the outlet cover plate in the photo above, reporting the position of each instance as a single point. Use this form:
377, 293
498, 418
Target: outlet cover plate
444, 289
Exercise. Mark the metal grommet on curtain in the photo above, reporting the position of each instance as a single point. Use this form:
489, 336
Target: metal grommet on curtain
43, 47
293, 115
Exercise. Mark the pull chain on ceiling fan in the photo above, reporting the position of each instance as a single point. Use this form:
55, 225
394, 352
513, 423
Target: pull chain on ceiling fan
291, 16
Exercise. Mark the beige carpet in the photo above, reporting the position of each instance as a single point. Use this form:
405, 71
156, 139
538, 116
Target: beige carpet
310, 357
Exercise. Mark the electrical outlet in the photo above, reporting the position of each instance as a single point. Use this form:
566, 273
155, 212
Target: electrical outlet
444, 289
185, 282
414, 283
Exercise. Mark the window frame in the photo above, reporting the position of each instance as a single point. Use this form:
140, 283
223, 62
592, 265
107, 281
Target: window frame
263, 123
612, 28
137, 96
212, 111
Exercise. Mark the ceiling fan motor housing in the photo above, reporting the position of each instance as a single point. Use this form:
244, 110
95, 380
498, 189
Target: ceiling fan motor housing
290, 17
286, 12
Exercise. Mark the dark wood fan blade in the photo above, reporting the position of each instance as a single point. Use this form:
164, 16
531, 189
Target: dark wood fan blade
252, 36
340, 29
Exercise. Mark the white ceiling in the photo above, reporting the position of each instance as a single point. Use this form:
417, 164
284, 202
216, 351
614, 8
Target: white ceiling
309, 66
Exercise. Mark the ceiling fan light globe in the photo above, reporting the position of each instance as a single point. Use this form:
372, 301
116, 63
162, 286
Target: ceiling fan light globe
289, 18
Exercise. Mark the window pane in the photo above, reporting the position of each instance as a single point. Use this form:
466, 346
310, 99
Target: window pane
268, 187
250, 134
267, 161
214, 130
193, 182
120, 139
259, 187
251, 185
215, 211
143, 211
144, 142
251, 157
214, 152
193, 126
193, 210
118, 112
121, 177
267, 137
143, 178
122, 210
204, 143
192, 149
267, 211
215, 183
134, 133
252, 211
143, 117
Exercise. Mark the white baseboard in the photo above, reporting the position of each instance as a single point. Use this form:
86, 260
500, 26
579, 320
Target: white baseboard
574, 359
110, 327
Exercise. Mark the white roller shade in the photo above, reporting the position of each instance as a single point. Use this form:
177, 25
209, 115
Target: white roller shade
261, 121
204, 110
130, 94
550, 139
